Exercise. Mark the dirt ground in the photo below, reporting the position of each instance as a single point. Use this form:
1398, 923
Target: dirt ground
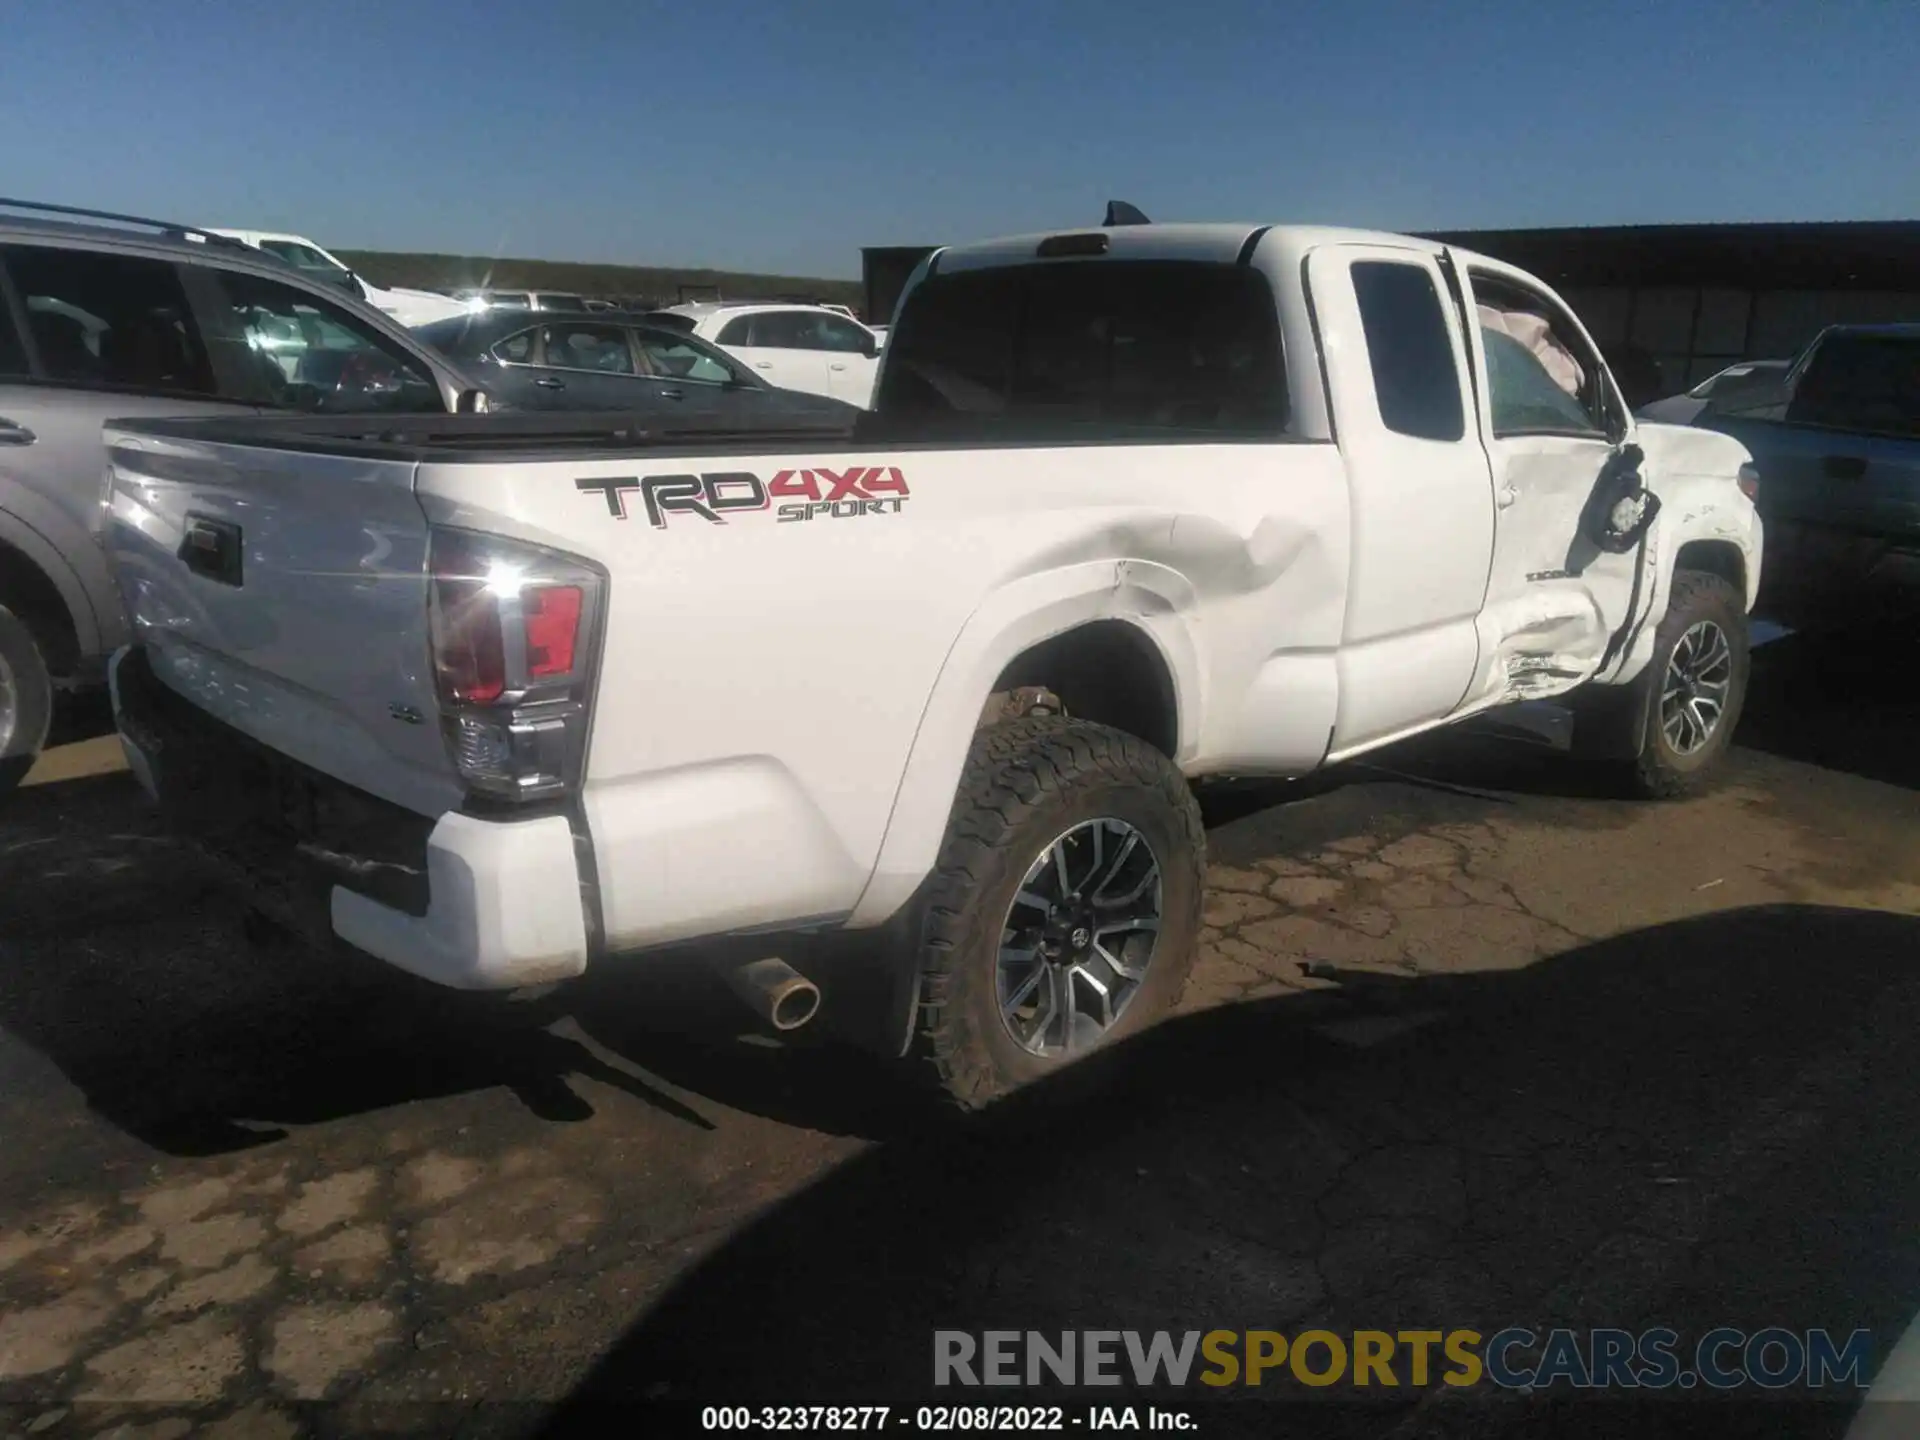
1469, 1045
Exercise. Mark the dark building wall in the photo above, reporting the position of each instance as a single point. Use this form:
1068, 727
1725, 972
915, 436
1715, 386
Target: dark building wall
1685, 300
1693, 299
884, 272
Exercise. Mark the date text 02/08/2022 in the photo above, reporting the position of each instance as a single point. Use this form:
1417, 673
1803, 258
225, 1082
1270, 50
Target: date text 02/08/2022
943, 1419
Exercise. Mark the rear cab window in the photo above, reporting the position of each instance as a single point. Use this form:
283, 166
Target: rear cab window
1865, 383
1088, 349
111, 321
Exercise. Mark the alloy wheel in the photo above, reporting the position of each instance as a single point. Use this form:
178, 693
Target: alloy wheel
1699, 679
1078, 937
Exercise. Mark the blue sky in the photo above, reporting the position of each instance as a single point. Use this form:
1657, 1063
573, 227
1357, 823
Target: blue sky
783, 136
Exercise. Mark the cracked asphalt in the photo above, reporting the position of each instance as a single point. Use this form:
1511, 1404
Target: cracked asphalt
1469, 1045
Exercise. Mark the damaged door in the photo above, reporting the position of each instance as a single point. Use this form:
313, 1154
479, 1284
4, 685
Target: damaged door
1555, 430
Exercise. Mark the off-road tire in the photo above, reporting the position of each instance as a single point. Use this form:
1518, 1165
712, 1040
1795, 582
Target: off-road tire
1660, 772
32, 698
1026, 782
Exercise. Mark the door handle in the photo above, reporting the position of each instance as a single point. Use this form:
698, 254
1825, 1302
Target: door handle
836, 366
1845, 467
14, 433
547, 382
1505, 496
763, 364
672, 394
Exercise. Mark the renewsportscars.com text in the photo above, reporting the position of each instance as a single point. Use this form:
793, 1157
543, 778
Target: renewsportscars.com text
1513, 1358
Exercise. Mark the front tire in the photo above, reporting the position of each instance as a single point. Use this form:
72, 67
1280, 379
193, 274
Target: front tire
26, 700
1064, 912
1698, 686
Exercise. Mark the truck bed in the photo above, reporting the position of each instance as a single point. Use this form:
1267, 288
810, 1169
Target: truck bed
588, 435
516, 435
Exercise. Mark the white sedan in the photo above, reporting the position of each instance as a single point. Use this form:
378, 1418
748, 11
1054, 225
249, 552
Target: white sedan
813, 348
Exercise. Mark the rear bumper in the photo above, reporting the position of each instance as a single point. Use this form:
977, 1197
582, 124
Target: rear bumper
464, 902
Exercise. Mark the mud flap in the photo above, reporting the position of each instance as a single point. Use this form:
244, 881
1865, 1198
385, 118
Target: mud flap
1610, 721
869, 980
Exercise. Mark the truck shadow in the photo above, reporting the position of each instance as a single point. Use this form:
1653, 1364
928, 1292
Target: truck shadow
1697, 1124
124, 965
1845, 699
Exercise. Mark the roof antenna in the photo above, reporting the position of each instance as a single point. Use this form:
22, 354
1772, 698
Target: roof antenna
1119, 212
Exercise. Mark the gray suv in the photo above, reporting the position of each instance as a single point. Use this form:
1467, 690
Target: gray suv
103, 316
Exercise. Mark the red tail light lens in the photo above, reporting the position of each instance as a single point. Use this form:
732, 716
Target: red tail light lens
469, 658
551, 615
512, 628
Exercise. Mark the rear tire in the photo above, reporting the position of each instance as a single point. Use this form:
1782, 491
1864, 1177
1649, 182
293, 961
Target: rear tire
26, 700
1700, 651
1045, 805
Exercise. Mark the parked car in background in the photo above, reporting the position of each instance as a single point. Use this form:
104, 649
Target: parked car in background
473, 300
597, 361
134, 319
1749, 379
409, 307
1132, 506
1836, 444
797, 347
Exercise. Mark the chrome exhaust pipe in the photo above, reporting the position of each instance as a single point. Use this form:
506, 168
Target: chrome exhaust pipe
776, 992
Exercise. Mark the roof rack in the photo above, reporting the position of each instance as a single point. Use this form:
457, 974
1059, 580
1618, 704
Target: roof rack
165, 227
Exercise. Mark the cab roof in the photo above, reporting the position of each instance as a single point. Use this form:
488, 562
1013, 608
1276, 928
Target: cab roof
1218, 243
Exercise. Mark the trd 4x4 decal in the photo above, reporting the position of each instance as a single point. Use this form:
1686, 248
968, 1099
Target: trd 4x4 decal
808, 494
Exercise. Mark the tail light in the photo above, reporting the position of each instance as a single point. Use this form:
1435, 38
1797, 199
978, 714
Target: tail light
1749, 482
514, 631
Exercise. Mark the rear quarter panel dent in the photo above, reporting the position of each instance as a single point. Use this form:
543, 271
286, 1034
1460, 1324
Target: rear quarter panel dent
1156, 599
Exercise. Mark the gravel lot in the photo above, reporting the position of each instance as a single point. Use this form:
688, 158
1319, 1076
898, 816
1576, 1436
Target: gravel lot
1469, 1045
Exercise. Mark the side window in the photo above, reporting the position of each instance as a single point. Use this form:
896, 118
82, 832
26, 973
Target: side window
1542, 378
112, 320
738, 331
678, 359
601, 348
310, 355
1523, 394
516, 349
784, 330
1415, 377
13, 353
831, 332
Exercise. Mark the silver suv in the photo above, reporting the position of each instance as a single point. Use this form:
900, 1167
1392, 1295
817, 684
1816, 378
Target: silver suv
103, 316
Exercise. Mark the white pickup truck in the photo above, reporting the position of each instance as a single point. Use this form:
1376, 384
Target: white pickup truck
502, 698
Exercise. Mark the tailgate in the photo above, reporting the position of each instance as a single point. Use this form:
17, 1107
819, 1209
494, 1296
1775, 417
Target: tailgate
286, 594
